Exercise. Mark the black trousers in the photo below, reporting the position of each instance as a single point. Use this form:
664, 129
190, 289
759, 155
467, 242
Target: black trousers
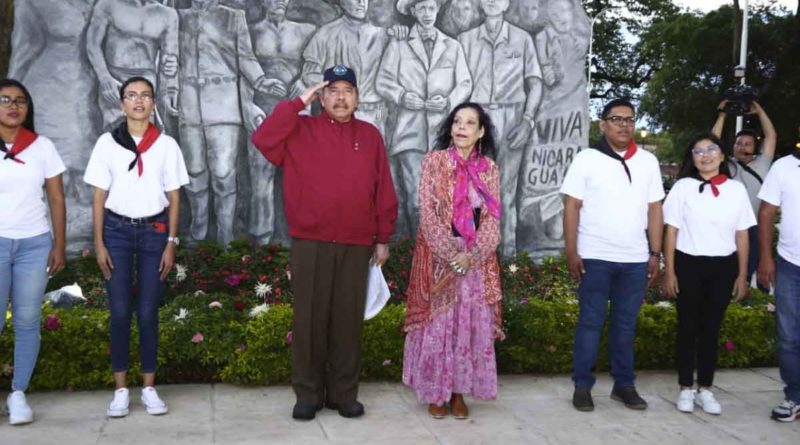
329, 282
705, 285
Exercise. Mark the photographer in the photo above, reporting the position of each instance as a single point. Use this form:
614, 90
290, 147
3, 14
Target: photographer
752, 164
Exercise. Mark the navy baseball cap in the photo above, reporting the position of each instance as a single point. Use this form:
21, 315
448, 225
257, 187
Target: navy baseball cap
340, 72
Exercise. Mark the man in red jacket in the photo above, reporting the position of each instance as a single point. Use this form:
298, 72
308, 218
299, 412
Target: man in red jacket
341, 208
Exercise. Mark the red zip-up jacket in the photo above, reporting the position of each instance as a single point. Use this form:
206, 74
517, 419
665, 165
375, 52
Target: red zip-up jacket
337, 186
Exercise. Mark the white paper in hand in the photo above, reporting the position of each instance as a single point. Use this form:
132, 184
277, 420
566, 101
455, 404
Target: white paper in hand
377, 292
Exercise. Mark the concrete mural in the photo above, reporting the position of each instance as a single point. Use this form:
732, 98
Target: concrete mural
220, 66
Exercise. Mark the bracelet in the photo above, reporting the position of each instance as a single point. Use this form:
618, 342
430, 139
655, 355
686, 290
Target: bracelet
655, 254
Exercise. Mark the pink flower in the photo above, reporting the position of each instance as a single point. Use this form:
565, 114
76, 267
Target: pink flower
241, 347
289, 338
52, 323
246, 259
729, 346
551, 348
85, 252
770, 307
197, 338
523, 301
234, 280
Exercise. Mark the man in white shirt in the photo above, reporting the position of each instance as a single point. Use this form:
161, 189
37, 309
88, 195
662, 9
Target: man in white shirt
612, 230
751, 166
781, 190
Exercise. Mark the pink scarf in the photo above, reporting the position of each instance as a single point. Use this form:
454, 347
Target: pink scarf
467, 172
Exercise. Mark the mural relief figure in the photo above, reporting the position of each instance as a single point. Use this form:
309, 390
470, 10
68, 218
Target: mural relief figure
49, 56
459, 16
215, 53
278, 45
425, 76
354, 42
128, 38
562, 127
507, 82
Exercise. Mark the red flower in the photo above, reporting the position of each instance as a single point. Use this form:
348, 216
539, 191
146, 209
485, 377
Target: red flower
262, 278
729, 346
234, 280
52, 323
239, 305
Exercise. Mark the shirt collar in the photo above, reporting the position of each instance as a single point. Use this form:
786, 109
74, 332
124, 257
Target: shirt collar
501, 36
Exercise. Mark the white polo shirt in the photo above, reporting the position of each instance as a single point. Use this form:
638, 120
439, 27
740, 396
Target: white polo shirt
707, 224
613, 216
128, 193
23, 211
782, 188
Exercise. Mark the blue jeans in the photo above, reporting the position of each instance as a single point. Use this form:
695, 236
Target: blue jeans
145, 242
23, 276
787, 307
625, 285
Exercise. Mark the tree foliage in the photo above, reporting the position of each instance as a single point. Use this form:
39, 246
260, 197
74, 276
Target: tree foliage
695, 67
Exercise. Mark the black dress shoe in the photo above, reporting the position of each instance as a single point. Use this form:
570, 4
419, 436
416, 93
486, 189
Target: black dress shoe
304, 411
629, 397
347, 409
582, 399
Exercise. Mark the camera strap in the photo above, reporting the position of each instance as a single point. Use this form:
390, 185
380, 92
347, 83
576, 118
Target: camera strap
751, 171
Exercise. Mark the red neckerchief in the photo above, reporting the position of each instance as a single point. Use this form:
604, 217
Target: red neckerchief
147, 141
713, 182
123, 137
604, 147
23, 140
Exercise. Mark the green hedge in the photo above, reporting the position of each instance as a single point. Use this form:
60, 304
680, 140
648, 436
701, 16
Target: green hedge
225, 342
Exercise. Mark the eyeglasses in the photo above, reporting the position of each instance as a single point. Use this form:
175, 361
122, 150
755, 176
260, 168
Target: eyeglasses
708, 150
7, 101
133, 97
620, 121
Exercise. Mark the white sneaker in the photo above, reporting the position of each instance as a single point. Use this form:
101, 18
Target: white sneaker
152, 403
18, 410
705, 399
685, 400
119, 405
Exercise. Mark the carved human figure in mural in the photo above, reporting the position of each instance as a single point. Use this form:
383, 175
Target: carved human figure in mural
562, 127
425, 76
278, 45
351, 40
510, 90
128, 38
562, 46
459, 16
216, 60
49, 56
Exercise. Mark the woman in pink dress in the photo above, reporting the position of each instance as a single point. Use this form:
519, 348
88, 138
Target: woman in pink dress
454, 298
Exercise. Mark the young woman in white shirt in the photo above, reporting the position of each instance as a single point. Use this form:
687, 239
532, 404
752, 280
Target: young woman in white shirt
29, 253
137, 173
707, 216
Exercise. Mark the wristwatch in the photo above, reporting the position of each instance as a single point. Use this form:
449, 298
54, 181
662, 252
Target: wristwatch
174, 240
655, 254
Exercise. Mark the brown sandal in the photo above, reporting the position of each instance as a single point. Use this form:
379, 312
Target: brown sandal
458, 407
436, 411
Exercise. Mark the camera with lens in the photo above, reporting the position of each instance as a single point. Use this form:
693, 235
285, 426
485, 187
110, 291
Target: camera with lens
739, 99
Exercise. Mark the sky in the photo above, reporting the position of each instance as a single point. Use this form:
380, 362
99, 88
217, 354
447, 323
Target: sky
709, 5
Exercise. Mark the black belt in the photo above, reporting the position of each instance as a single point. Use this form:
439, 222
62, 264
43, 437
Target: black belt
138, 221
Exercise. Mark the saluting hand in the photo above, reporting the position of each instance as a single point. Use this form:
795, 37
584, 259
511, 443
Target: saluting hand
310, 94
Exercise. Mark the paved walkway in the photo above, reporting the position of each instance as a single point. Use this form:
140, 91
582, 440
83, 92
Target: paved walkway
529, 410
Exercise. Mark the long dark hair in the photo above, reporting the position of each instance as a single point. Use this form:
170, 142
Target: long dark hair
487, 146
28, 123
688, 169
131, 80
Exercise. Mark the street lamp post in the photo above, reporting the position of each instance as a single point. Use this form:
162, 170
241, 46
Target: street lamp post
743, 56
